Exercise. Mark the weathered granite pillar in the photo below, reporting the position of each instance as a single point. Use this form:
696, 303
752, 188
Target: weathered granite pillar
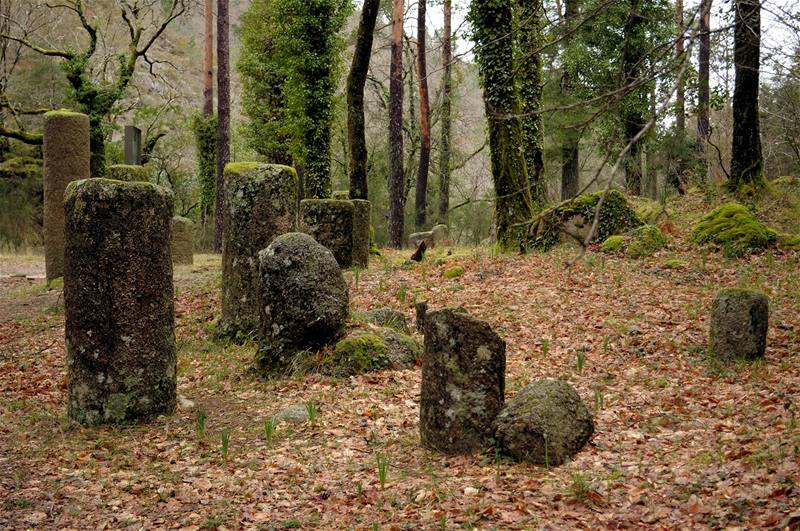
330, 222
362, 212
118, 303
182, 240
739, 323
128, 172
66, 159
260, 204
463, 382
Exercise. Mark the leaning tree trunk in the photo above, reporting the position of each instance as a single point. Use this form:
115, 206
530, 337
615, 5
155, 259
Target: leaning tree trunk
444, 149
208, 58
396, 191
529, 71
703, 86
632, 113
492, 24
355, 100
421, 196
570, 170
223, 115
747, 164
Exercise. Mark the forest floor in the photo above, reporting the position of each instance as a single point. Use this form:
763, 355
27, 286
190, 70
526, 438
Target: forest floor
680, 442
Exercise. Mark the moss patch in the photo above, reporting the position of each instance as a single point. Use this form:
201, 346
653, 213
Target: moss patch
735, 229
613, 244
647, 240
356, 354
453, 272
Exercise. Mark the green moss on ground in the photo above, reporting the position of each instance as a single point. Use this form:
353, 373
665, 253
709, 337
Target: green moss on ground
735, 229
789, 242
453, 272
647, 241
356, 354
613, 244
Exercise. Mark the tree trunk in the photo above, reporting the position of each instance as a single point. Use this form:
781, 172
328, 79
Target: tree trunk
570, 169
355, 100
492, 24
208, 58
632, 114
703, 85
444, 150
747, 165
421, 196
530, 82
223, 115
396, 192
680, 96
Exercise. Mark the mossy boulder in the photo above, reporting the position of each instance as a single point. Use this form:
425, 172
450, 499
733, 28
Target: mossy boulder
330, 222
128, 172
441, 235
304, 299
386, 317
735, 229
415, 238
646, 241
572, 220
651, 212
613, 244
371, 349
453, 272
739, 323
546, 424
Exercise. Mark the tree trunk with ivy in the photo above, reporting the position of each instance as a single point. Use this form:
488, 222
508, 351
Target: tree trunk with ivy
421, 196
223, 115
747, 164
492, 24
634, 103
530, 81
570, 169
396, 184
444, 148
355, 100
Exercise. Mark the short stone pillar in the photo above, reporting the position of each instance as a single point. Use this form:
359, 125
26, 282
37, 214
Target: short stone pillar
463, 382
260, 204
342, 195
118, 302
330, 222
66, 159
739, 323
182, 240
128, 172
362, 212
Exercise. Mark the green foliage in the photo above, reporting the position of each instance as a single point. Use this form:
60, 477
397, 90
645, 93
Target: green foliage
383, 467
453, 272
21, 198
646, 241
734, 228
613, 244
205, 134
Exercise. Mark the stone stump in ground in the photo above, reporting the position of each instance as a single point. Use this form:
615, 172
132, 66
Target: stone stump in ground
182, 240
304, 299
545, 424
362, 212
66, 159
118, 306
330, 222
739, 323
441, 235
128, 172
463, 382
260, 205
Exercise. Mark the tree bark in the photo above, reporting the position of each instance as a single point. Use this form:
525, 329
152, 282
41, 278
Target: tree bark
355, 100
421, 196
396, 191
570, 169
208, 58
444, 150
680, 95
747, 164
703, 85
223, 115
632, 114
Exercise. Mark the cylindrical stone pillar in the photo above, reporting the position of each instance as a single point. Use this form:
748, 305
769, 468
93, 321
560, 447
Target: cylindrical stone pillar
128, 172
118, 302
362, 212
182, 240
330, 222
739, 323
260, 205
66, 159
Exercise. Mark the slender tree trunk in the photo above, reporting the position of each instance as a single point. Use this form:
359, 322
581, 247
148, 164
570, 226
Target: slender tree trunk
747, 164
444, 150
355, 100
530, 82
632, 114
421, 196
570, 169
223, 115
208, 59
680, 94
396, 184
703, 85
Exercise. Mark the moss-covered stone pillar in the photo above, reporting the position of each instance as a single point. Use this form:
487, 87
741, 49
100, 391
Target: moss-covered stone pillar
182, 240
128, 172
66, 159
463, 382
260, 205
362, 212
120, 325
330, 222
739, 323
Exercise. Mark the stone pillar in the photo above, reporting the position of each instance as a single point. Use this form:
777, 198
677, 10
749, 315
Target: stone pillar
260, 204
362, 212
182, 240
739, 323
330, 222
343, 195
463, 382
128, 172
118, 305
66, 159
